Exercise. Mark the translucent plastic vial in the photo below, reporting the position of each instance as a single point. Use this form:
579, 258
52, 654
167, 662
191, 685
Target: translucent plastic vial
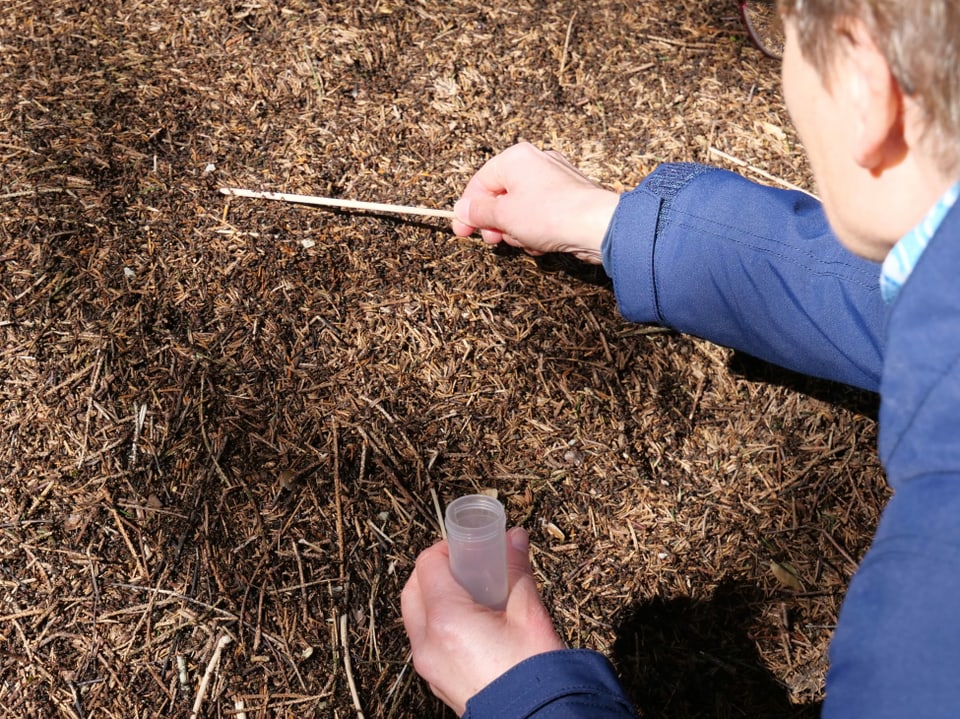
476, 534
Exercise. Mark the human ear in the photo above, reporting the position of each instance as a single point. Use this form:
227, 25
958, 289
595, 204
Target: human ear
875, 100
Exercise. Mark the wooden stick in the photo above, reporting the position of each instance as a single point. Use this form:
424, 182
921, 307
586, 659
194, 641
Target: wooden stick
338, 203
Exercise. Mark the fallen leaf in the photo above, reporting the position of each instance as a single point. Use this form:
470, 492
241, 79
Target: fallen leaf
786, 575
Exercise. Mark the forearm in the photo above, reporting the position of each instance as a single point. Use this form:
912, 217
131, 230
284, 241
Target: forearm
750, 267
568, 684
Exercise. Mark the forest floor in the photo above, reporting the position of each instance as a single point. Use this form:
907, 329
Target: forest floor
227, 424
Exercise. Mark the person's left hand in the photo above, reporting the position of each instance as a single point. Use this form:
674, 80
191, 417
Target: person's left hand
460, 646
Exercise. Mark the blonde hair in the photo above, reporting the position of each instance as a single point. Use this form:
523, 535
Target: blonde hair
921, 42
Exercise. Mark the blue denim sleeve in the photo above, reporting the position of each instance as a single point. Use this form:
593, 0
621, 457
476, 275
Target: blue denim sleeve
708, 253
567, 684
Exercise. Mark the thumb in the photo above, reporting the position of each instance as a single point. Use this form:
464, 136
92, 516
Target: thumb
524, 605
479, 211
518, 555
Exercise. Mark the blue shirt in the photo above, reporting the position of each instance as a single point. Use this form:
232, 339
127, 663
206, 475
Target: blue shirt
904, 256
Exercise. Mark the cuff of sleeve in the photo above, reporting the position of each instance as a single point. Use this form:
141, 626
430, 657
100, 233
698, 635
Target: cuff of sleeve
547, 678
628, 255
629, 244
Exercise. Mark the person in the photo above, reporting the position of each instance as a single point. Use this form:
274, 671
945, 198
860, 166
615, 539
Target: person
862, 289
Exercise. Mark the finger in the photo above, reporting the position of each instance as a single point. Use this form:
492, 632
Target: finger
491, 237
480, 206
478, 210
523, 585
493, 178
442, 595
412, 610
514, 242
488, 180
524, 601
518, 555
428, 585
461, 218
461, 229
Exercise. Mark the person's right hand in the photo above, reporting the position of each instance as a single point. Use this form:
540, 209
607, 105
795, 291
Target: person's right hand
536, 200
460, 646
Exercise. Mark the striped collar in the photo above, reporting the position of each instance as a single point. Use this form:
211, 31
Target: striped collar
904, 256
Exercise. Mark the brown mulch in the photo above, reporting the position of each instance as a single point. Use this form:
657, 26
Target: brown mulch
227, 424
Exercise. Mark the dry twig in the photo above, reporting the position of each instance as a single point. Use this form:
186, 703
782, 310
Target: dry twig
222, 642
348, 666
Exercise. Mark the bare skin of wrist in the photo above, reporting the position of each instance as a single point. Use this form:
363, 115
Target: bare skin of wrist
537, 201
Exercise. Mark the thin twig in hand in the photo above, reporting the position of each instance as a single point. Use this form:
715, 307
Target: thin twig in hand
337, 203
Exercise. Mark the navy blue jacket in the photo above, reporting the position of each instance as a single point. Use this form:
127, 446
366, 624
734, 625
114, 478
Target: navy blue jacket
758, 269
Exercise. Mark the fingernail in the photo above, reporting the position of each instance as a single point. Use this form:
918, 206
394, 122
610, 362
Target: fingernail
519, 539
461, 209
